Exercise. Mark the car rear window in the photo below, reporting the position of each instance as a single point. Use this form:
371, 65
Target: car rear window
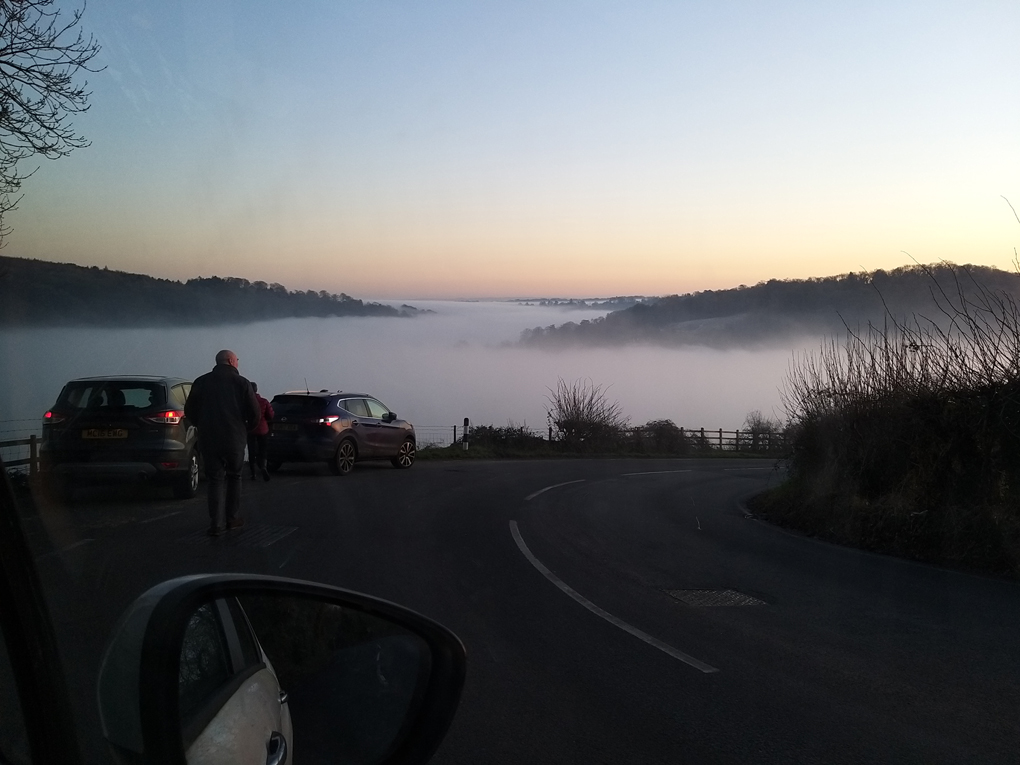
298, 406
117, 395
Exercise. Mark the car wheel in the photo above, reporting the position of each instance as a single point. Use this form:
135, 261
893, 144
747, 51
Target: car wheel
343, 460
405, 457
273, 465
186, 486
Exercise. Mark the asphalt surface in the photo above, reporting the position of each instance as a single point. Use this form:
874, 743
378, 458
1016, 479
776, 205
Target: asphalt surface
575, 645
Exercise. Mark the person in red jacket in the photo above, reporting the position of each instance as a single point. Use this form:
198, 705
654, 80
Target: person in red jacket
258, 438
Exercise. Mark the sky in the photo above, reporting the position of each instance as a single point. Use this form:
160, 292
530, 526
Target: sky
409, 149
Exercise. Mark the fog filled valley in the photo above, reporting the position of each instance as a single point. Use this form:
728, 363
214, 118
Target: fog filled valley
433, 369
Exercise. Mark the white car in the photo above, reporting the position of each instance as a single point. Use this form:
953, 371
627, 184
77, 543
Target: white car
232, 706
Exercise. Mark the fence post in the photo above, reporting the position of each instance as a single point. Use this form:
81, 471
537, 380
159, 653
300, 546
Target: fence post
455, 434
736, 440
33, 456
464, 439
550, 434
720, 439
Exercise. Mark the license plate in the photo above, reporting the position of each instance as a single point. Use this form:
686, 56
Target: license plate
284, 427
104, 433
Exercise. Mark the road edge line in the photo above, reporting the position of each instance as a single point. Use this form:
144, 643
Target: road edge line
643, 636
554, 486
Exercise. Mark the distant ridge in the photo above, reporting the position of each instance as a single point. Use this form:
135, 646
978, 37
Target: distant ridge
772, 311
40, 293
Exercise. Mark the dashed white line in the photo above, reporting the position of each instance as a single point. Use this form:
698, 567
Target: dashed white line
768, 468
554, 486
667, 649
659, 472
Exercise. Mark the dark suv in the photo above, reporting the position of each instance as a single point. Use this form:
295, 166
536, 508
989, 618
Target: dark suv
124, 428
338, 428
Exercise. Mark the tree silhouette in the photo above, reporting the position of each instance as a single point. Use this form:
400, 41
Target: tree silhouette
42, 51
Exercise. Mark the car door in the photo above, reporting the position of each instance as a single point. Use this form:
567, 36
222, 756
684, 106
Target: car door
388, 435
363, 426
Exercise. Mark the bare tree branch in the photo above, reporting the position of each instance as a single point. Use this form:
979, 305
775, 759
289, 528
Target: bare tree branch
42, 50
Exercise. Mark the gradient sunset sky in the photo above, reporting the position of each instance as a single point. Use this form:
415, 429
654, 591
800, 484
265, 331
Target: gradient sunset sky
482, 149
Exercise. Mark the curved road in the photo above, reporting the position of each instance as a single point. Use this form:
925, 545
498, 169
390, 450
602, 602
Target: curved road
614, 611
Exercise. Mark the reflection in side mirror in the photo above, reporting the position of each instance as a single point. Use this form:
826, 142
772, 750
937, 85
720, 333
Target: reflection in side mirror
254, 669
389, 417
259, 672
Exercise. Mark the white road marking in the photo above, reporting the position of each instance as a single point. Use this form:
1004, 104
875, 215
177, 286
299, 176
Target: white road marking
659, 472
768, 468
668, 649
70, 547
554, 486
161, 517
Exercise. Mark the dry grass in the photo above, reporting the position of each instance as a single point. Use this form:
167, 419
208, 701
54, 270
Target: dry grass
906, 438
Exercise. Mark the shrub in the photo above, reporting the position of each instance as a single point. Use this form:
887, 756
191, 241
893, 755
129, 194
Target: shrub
907, 437
584, 416
512, 436
766, 433
663, 437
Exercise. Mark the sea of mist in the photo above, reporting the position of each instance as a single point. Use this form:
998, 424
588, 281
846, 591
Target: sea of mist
434, 369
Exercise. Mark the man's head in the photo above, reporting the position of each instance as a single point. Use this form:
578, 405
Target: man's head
227, 357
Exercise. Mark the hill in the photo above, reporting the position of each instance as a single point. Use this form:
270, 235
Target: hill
39, 293
770, 311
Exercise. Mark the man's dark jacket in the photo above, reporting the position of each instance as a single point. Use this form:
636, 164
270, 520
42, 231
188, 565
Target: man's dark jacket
224, 408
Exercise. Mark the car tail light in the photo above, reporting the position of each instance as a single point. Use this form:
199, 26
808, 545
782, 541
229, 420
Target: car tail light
168, 465
328, 420
169, 417
51, 418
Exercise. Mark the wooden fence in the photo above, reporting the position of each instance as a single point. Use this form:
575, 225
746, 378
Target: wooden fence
32, 460
688, 439
25, 451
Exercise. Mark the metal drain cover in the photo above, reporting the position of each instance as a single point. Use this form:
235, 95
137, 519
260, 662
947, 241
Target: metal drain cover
252, 536
714, 598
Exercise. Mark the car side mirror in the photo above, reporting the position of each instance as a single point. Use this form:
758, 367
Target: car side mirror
389, 417
232, 668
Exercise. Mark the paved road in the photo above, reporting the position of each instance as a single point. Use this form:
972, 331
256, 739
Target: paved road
836, 656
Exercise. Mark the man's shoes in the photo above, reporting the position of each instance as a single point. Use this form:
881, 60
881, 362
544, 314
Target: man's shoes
216, 531
236, 523
265, 475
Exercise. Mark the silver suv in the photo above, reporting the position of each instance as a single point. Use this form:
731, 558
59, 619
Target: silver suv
338, 428
122, 428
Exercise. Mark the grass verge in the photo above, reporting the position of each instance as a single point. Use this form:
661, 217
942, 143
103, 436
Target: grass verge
980, 538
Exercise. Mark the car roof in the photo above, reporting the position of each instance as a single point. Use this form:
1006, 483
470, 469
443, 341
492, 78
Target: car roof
132, 378
326, 393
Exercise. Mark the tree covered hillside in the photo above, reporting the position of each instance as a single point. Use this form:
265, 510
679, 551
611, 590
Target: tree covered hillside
779, 308
39, 293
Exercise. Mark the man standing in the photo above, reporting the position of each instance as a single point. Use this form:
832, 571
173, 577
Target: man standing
224, 408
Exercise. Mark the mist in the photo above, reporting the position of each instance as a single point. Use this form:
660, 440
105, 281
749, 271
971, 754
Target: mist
433, 369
